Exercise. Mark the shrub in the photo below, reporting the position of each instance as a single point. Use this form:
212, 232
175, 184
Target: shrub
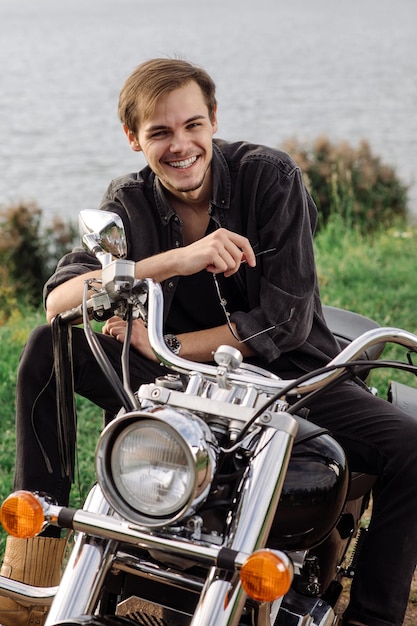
350, 182
28, 254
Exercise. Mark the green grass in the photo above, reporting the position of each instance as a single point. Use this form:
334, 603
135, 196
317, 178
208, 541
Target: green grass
90, 418
372, 275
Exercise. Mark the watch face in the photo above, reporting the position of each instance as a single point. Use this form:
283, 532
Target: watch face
173, 343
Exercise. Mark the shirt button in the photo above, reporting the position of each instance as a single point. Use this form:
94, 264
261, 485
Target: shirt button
170, 284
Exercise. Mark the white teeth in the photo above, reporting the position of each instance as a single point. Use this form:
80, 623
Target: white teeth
185, 163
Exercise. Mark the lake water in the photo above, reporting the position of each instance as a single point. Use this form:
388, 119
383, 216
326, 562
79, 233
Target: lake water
344, 68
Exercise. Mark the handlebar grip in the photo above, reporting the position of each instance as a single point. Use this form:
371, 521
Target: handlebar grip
66, 317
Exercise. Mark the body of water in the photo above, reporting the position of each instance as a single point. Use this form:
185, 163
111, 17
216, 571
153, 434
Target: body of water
344, 68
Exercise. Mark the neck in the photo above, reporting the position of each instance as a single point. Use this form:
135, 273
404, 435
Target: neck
187, 201
194, 217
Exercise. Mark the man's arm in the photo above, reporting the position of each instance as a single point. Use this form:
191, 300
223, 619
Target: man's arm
195, 346
222, 251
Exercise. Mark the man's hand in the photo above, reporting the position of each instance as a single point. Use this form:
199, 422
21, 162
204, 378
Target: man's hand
116, 327
221, 252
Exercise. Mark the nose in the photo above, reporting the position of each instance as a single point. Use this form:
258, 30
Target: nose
179, 141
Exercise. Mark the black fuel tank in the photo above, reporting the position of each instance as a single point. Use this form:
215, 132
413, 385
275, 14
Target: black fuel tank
313, 495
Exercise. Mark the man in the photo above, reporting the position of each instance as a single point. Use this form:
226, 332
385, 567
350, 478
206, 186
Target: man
239, 212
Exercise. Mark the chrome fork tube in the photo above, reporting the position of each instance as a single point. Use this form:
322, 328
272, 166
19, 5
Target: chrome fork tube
78, 592
222, 599
90, 560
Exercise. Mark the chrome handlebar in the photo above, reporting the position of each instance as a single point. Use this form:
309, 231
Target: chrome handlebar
350, 353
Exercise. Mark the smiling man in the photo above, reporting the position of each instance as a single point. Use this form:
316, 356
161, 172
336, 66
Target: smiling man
178, 143
227, 228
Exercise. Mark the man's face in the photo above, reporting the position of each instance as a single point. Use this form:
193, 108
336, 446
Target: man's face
177, 142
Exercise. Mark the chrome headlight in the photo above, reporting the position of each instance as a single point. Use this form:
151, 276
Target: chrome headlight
155, 467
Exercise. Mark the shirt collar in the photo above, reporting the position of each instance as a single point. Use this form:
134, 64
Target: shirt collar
221, 179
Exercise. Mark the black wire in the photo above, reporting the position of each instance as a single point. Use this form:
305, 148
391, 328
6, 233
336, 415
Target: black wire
294, 408
103, 360
323, 370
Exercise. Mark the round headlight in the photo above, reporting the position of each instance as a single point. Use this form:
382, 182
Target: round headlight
155, 467
152, 467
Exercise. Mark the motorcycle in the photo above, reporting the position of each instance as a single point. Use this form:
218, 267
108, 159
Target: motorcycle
217, 502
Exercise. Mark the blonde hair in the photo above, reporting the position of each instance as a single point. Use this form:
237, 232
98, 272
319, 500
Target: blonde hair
155, 78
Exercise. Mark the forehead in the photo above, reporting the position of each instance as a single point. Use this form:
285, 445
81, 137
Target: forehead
177, 106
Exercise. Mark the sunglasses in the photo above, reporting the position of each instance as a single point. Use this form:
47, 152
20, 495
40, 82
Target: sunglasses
223, 304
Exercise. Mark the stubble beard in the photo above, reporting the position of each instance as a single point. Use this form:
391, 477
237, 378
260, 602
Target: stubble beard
188, 189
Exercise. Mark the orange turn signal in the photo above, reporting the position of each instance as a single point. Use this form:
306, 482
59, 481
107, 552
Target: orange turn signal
22, 515
266, 575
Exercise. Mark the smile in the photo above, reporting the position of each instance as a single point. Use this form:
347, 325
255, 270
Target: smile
183, 164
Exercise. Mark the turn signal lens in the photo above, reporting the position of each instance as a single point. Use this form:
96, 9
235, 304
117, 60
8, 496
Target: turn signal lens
22, 515
266, 575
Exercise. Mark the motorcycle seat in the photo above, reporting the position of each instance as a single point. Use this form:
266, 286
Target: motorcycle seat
347, 326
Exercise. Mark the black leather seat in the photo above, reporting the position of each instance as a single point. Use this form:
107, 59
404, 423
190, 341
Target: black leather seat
347, 326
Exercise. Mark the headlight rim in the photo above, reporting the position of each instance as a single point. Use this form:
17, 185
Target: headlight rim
172, 419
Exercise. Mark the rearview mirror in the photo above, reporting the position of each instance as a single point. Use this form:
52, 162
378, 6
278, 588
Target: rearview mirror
102, 232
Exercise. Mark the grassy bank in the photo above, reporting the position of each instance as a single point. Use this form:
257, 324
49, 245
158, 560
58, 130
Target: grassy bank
372, 275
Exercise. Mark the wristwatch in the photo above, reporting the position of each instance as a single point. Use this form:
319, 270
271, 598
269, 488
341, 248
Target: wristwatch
173, 343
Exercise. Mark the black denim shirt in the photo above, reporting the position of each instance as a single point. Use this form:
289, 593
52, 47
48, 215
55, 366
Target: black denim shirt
257, 192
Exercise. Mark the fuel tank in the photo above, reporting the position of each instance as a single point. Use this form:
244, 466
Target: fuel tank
313, 495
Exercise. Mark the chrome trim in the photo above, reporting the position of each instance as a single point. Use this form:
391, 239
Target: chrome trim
132, 565
112, 528
207, 406
88, 564
350, 353
81, 583
222, 599
22, 592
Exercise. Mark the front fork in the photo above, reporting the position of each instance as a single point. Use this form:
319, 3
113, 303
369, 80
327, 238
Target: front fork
223, 598
90, 560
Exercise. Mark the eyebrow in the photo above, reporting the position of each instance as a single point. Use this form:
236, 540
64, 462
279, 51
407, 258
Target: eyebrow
154, 127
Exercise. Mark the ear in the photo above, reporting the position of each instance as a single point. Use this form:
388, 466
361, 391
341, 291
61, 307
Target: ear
132, 139
214, 119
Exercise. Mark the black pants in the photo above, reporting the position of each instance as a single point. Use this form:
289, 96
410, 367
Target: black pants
377, 437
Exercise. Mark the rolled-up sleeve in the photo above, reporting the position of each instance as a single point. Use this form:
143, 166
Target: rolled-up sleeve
73, 264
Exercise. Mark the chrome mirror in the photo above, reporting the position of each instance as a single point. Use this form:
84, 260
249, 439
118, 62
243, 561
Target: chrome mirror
102, 232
